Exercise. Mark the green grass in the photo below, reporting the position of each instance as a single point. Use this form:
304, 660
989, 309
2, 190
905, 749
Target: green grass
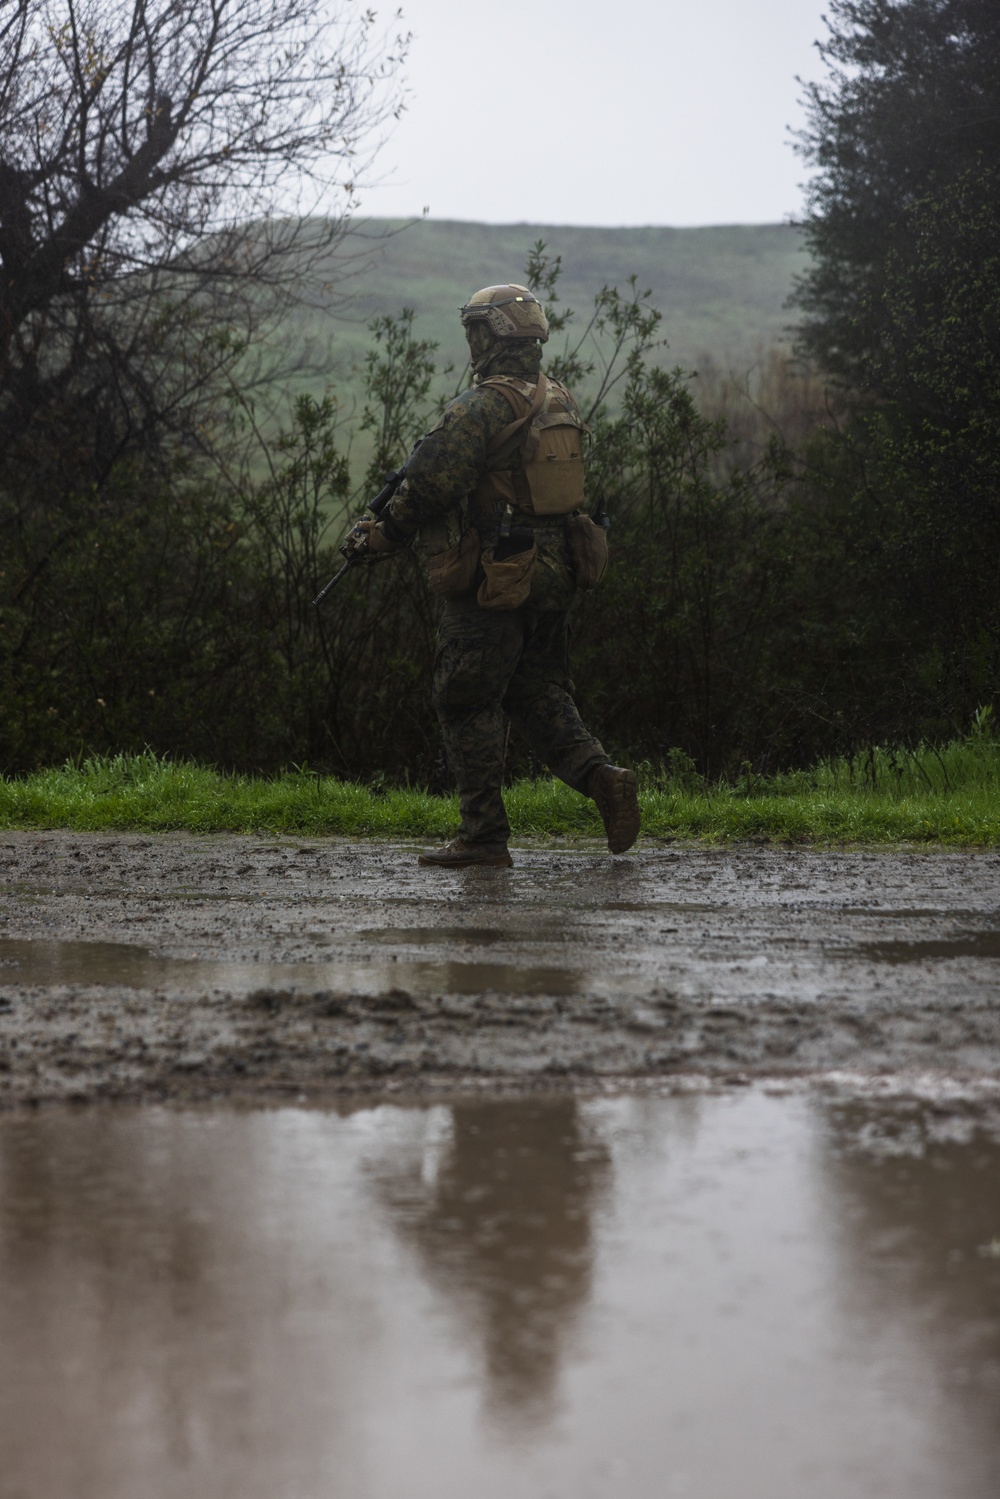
944, 796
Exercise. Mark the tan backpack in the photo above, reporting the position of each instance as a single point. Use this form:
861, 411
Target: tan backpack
548, 432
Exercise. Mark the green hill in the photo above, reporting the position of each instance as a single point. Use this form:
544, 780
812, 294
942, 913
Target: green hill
721, 290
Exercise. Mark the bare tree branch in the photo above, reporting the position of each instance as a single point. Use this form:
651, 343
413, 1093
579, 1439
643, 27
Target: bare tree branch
169, 171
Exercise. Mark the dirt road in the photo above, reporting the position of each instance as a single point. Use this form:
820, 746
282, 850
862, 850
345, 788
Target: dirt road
188, 967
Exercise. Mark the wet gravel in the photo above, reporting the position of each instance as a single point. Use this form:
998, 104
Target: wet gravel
190, 967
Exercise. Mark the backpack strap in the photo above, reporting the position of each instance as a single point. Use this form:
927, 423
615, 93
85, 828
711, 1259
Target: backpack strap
514, 399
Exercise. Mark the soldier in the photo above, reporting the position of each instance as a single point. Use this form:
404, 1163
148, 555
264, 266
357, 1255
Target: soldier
494, 496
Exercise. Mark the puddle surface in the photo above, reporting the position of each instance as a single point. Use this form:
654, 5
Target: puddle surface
748, 1296
434, 936
24, 961
966, 945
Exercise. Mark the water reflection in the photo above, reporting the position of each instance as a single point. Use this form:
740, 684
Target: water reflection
915, 1197
503, 1227
736, 1295
51, 963
984, 944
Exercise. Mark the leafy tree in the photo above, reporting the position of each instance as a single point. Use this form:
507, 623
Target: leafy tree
928, 457
938, 359
902, 303
909, 108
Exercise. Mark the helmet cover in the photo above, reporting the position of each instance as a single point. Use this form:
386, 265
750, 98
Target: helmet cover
509, 311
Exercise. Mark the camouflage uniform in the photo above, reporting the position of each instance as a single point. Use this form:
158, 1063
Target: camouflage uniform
491, 662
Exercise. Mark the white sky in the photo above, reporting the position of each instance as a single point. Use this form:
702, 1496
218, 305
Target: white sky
600, 112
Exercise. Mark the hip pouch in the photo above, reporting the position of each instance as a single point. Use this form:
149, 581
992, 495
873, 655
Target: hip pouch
453, 572
507, 583
588, 549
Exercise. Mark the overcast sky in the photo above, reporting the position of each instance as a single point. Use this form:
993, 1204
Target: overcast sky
600, 112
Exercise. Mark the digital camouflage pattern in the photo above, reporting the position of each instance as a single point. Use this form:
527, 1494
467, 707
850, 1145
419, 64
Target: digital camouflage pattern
443, 471
489, 662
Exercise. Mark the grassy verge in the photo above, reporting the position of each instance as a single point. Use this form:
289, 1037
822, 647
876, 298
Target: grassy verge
949, 795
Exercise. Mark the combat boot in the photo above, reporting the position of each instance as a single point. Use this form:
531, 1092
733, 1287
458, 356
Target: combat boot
461, 855
614, 790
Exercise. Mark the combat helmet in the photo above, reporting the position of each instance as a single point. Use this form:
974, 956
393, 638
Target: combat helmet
508, 311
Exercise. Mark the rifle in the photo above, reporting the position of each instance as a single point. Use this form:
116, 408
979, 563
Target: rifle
355, 548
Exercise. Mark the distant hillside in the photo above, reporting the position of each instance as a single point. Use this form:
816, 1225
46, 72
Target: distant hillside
721, 290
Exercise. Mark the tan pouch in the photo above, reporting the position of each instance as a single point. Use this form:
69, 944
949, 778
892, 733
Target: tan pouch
506, 584
588, 550
553, 466
453, 572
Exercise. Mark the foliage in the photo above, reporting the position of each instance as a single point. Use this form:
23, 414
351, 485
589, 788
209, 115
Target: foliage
910, 105
149, 235
616, 341
903, 302
178, 613
759, 616
399, 373
677, 646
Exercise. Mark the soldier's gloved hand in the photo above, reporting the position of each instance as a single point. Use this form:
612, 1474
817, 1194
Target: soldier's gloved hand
379, 543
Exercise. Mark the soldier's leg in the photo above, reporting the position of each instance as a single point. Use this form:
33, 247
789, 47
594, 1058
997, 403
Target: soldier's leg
477, 652
539, 700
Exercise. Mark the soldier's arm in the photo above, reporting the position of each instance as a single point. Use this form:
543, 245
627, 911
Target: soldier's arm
448, 463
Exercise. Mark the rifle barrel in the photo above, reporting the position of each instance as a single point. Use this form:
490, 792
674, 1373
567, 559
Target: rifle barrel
335, 579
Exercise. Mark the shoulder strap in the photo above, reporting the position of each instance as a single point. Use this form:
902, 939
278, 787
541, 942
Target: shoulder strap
514, 399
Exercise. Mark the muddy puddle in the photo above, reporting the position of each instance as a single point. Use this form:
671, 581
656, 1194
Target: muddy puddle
196, 968
109, 964
754, 1294
984, 944
383, 964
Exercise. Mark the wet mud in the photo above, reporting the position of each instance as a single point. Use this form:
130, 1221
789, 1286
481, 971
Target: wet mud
181, 967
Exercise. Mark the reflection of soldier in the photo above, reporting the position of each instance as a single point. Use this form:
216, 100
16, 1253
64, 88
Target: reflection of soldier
496, 491
508, 1229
